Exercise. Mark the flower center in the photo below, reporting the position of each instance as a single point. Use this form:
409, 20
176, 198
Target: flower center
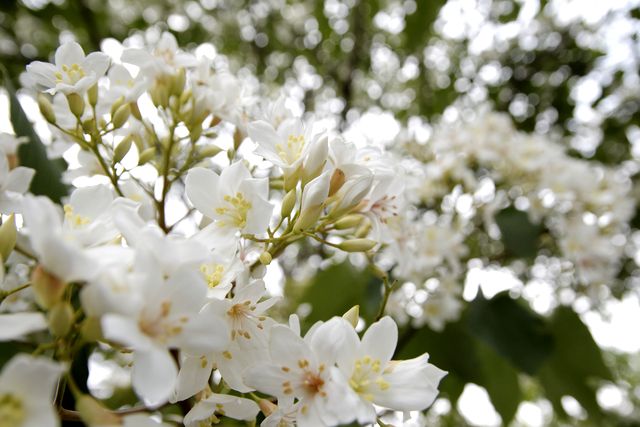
240, 314
213, 274
73, 73
12, 412
235, 213
291, 151
75, 220
160, 326
367, 373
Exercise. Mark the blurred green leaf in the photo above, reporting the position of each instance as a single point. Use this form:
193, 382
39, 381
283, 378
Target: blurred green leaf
419, 23
338, 288
512, 329
48, 178
453, 349
575, 364
519, 235
501, 381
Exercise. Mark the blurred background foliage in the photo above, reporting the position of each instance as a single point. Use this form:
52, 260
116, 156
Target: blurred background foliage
555, 68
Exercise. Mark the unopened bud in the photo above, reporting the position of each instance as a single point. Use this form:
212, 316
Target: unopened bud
160, 95
76, 104
357, 245
195, 133
47, 288
353, 315
291, 179
94, 414
60, 319
363, 230
91, 329
178, 81
122, 149
308, 218
238, 137
147, 155
337, 181
349, 221
288, 203
121, 116
92, 95
135, 111
46, 109
265, 258
185, 96
208, 151
214, 121
267, 407
8, 236
117, 104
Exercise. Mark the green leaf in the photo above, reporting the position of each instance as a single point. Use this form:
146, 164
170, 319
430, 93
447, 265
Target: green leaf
419, 23
519, 235
500, 379
453, 350
512, 330
338, 288
48, 177
575, 365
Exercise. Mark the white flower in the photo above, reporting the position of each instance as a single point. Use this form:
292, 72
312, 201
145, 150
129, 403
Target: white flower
16, 325
13, 184
285, 146
233, 199
164, 57
304, 369
122, 84
87, 216
27, 386
72, 72
409, 385
65, 258
210, 408
248, 328
168, 317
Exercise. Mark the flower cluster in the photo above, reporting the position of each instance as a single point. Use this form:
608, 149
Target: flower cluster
460, 181
160, 131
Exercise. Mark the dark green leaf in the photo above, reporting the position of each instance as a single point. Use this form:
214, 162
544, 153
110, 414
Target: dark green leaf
335, 290
48, 178
519, 235
575, 364
512, 329
500, 379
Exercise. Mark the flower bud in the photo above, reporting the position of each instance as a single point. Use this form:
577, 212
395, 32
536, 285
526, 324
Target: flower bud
60, 319
364, 229
121, 116
122, 149
8, 236
195, 133
92, 95
47, 288
147, 155
185, 96
357, 245
238, 137
307, 218
349, 221
265, 258
208, 151
315, 160
178, 81
91, 329
46, 109
288, 203
353, 315
76, 104
291, 179
135, 111
117, 104
337, 181
94, 414
267, 407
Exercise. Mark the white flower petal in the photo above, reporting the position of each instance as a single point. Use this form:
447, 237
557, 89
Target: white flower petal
154, 375
16, 325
